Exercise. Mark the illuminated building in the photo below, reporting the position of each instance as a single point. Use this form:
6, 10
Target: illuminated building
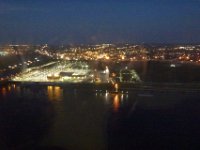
127, 75
53, 77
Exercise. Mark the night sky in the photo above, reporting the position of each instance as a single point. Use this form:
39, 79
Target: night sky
99, 21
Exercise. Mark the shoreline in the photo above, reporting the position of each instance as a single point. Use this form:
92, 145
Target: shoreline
145, 86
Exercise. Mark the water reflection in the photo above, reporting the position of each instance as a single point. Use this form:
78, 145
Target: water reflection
116, 100
6, 90
55, 93
116, 103
102, 120
9, 88
3, 91
14, 86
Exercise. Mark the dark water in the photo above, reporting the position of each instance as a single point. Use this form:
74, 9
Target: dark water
53, 117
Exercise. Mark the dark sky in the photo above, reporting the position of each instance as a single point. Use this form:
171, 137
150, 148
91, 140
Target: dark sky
99, 21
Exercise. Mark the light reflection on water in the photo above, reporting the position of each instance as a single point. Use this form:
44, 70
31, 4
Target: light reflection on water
9, 88
54, 93
116, 103
14, 86
115, 99
3, 91
92, 118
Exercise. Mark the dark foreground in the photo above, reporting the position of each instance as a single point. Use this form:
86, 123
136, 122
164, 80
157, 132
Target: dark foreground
151, 116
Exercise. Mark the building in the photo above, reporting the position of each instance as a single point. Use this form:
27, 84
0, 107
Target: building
129, 76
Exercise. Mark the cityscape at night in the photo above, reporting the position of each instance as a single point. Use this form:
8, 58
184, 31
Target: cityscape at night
99, 75
89, 63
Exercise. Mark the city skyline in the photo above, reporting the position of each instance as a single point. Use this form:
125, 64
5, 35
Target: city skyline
77, 22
